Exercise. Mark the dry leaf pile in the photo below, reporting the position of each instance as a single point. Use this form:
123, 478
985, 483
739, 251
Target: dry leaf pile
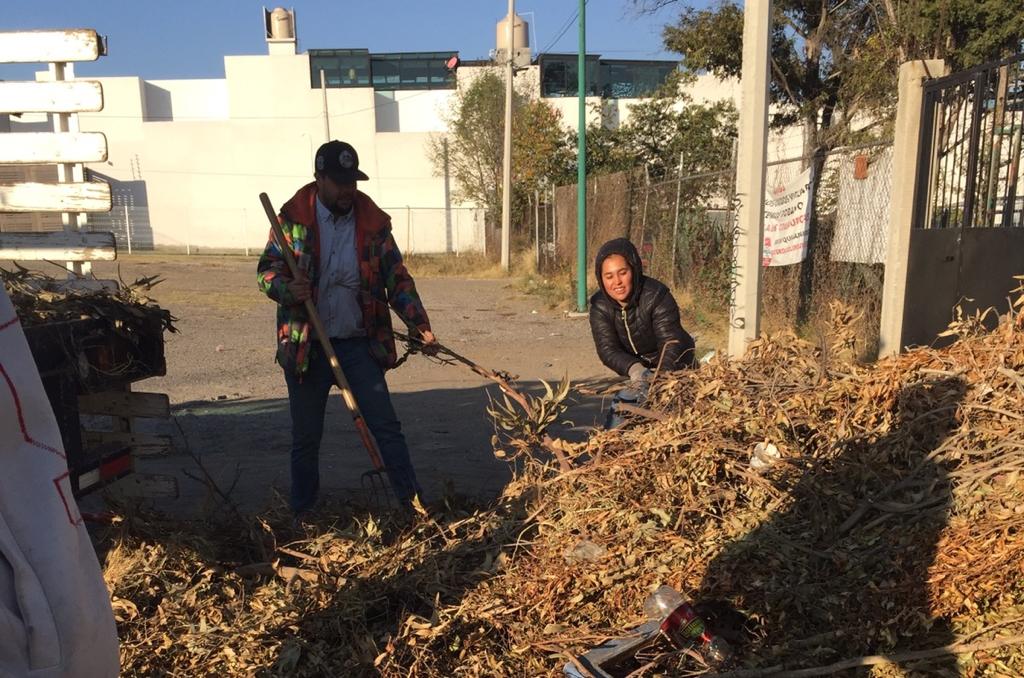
890, 522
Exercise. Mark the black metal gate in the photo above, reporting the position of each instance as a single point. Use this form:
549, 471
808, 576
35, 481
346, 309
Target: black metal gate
967, 240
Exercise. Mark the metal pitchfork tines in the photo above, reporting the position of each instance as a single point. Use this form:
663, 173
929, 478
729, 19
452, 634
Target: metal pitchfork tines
373, 482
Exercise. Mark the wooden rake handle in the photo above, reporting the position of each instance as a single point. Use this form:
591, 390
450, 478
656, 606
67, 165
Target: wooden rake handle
346, 392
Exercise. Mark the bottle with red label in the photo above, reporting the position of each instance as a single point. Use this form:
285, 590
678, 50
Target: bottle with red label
684, 627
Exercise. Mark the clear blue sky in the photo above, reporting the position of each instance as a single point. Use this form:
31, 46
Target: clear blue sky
188, 39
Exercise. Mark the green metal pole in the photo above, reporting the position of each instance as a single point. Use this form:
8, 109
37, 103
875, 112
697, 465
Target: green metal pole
581, 171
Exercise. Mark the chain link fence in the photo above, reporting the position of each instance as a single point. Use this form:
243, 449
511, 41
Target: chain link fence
189, 230
680, 225
844, 250
684, 228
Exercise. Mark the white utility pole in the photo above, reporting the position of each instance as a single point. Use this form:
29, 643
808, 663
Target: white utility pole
745, 307
327, 119
506, 181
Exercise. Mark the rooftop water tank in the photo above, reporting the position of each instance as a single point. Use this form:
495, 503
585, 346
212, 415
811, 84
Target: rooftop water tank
281, 24
521, 36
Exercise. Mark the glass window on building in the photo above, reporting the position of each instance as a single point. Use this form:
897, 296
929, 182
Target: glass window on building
616, 81
553, 78
412, 71
633, 79
559, 75
652, 76
341, 67
415, 74
385, 73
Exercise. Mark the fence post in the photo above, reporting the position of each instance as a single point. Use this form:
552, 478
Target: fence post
536, 228
905, 153
245, 223
449, 235
554, 220
643, 219
455, 230
675, 223
128, 229
547, 231
408, 230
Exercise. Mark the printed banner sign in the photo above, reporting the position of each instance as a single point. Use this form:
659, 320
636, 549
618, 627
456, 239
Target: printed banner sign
786, 214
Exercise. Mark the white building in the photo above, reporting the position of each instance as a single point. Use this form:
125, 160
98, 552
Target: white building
188, 158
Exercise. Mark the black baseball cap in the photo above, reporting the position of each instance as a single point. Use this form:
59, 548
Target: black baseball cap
339, 161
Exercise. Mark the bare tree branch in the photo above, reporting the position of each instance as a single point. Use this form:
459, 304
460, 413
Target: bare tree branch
651, 6
780, 76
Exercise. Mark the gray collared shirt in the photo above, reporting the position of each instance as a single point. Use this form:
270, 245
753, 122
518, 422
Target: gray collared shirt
338, 289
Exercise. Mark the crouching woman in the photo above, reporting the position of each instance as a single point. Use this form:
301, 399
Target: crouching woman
635, 323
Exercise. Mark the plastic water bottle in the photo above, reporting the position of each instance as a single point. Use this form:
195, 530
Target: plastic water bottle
684, 627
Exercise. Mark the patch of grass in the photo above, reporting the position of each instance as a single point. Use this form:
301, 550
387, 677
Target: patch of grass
706, 320
468, 265
185, 300
180, 254
554, 291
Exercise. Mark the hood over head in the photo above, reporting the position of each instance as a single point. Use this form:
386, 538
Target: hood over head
627, 250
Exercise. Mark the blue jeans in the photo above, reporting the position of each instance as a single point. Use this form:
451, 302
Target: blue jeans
634, 394
307, 400
615, 418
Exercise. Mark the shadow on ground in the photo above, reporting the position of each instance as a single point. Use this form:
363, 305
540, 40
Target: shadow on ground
809, 557
244, 444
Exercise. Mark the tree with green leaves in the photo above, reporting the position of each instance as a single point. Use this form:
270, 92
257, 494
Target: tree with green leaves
542, 153
473, 148
663, 134
836, 61
964, 33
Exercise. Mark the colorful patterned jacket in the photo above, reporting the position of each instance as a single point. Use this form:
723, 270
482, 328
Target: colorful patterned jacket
383, 279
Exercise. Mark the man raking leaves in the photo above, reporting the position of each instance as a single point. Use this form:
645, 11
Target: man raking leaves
346, 265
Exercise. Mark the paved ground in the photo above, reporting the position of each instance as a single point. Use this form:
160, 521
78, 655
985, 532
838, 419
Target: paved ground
228, 395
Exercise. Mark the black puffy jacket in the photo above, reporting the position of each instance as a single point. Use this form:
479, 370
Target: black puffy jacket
644, 327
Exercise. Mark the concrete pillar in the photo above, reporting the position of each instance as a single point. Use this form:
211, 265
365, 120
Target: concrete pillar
745, 306
906, 145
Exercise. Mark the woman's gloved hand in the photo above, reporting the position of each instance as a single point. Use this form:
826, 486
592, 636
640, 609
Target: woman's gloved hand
635, 393
639, 381
638, 373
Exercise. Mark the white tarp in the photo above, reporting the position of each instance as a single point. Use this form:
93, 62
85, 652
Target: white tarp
55, 616
786, 212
